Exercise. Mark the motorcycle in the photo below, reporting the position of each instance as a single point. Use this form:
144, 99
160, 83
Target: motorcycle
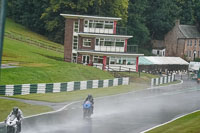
11, 124
87, 109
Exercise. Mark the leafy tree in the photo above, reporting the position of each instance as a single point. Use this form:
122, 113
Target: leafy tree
28, 12
161, 16
186, 14
136, 22
197, 12
55, 22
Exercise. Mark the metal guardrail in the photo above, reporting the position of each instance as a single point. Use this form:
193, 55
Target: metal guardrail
115, 68
29, 40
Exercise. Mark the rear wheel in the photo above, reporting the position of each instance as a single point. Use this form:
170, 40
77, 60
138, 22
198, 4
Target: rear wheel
10, 129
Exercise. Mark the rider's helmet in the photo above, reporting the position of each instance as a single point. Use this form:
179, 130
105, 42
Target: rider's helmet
89, 96
15, 110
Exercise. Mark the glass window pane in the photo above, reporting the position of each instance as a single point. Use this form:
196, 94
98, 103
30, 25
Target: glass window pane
119, 44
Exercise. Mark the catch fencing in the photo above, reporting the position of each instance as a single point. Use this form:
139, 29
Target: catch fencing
162, 80
24, 89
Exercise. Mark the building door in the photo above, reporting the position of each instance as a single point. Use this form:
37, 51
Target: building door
86, 59
194, 55
107, 61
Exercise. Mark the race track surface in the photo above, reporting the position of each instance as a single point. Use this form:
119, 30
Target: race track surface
127, 113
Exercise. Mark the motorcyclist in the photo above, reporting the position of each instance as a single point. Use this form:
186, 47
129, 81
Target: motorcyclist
18, 113
90, 98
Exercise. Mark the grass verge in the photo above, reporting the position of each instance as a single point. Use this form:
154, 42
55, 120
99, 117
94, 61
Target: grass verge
27, 109
186, 124
38, 65
81, 94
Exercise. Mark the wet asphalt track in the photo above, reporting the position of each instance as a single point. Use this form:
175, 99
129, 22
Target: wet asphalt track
129, 113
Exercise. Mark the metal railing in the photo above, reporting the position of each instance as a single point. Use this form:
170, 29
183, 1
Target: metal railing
119, 31
130, 49
32, 41
115, 68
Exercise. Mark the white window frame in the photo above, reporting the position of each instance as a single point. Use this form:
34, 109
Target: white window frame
190, 42
94, 22
75, 26
115, 40
75, 45
87, 40
74, 57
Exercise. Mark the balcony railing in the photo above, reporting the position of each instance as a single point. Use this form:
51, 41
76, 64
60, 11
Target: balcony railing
130, 49
119, 31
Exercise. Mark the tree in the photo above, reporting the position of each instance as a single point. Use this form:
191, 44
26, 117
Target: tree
197, 12
186, 14
136, 22
161, 15
28, 13
55, 23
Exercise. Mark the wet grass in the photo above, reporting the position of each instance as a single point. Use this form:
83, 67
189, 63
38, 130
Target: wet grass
187, 124
27, 109
38, 65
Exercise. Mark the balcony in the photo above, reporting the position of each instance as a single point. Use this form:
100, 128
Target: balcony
119, 31
130, 49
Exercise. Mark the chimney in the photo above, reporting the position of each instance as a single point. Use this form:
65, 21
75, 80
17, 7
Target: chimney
177, 23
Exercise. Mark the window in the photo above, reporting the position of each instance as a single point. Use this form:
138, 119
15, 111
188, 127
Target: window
97, 42
195, 43
113, 60
190, 53
99, 24
74, 57
198, 53
199, 43
108, 25
120, 42
86, 23
102, 40
109, 42
91, 23
75, 42
98, 59
76, 26
87, 42
190, 42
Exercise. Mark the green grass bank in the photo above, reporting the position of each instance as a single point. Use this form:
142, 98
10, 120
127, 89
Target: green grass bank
186, 124
6, 107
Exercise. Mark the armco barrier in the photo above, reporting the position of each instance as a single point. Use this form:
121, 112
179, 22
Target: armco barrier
162, 80
24, 89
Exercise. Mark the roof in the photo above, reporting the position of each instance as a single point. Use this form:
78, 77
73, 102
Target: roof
153, 60
102, 53
194, 66
103, 35
189, 31
88, 17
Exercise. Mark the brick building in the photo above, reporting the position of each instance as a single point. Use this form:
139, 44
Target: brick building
94, 40
182, 41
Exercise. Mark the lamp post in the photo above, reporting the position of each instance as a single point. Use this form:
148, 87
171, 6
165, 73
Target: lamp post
2, 25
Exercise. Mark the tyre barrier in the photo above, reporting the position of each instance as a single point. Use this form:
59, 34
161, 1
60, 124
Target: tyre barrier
24, 89
162, 80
